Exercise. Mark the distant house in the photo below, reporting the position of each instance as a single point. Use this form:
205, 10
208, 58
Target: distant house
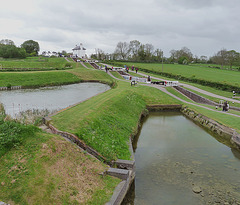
49, 53
79, 51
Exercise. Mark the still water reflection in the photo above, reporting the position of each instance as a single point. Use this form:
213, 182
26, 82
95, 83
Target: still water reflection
51, 98
175, 157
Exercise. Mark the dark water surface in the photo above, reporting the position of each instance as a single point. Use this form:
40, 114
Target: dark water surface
174, 157
51, 98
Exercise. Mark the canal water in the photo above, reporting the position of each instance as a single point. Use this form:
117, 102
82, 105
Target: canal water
177, 162
50, 98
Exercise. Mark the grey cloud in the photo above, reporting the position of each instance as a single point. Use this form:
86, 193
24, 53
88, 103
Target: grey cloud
203, 26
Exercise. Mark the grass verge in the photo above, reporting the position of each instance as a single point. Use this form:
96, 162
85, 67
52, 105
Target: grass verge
46, 169
105, 122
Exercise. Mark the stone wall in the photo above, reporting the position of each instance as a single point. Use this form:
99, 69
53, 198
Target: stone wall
11, 88
194, 96
200, 99
225, 132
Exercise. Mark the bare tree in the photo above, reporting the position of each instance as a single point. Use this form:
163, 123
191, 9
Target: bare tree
134, 47
149, 48
122, 50
220, 58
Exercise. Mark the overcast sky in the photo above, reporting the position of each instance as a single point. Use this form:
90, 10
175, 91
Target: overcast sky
204, 26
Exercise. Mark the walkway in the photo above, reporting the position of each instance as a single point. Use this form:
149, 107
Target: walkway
174, 96
196, 89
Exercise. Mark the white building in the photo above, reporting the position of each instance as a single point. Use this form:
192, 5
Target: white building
49, 53
79, 51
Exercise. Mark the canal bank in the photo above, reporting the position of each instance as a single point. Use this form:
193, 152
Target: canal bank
125, 169
187, 165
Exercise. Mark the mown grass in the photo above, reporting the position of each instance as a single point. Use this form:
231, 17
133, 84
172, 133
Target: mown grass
49, 170
37, 78
211, 74
105, 122
91, 75
213, 98
34, 62
46, 169
207, 88
227, 120
178, 94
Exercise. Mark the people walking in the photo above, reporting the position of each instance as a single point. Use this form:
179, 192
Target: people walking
136, 70
225, 104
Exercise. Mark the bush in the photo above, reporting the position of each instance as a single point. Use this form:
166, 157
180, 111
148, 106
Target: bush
13, 134
68, 65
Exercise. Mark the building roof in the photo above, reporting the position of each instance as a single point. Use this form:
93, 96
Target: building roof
79, 48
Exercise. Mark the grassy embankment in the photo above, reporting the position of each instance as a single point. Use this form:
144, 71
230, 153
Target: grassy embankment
42, 63
87, 119
221, 79
43, 168
33, 79
105, 122
229, 121
213, 98
39, 168
207, 88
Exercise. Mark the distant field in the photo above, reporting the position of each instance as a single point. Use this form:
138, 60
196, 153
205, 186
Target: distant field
215, 66
198, 72
37, 78
33, 62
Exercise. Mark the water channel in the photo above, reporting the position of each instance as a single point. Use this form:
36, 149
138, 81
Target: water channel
50, 98
178, 162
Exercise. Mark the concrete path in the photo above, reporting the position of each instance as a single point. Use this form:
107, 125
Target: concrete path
196, 89
174, 96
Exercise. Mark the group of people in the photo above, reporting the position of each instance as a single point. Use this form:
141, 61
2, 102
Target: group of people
225, 106
133, 68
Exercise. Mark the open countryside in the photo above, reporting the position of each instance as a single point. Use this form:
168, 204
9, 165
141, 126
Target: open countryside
104, 122
131, 103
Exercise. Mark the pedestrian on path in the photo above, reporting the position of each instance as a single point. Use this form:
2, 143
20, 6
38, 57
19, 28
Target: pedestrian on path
136, 70
106, 68
225, 106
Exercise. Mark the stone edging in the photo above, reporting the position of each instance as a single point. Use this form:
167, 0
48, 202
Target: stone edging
11, 88
221, 130
199, 99
125, 168
195, 97
75, 140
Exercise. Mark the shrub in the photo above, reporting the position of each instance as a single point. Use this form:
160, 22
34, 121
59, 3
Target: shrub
68, 65
12, 134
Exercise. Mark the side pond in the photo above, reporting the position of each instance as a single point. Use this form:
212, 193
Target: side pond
50, 98
178, 162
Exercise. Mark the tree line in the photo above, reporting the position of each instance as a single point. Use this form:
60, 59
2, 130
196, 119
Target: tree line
139, 52
8, 49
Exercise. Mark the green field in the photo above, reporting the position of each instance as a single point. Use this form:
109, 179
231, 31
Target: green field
105, 122
33, 63
43, 167
189, 71
37, 78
